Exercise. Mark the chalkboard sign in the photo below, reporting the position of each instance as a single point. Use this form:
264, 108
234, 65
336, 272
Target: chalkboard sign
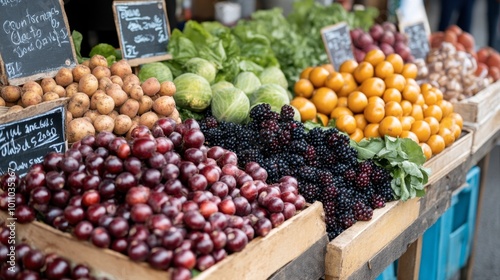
418, 39
34, 40
338, 45
143, 30
26, 141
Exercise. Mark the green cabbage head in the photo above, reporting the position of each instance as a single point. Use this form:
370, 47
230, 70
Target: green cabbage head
155, 69
201, 67
193, 92
272, 94
221, 85
273, 75
231, 105
248, 82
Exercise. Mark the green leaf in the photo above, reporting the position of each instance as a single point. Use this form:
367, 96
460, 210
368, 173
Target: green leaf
368, 148
186, 114
77, 42
102, 49
414, 151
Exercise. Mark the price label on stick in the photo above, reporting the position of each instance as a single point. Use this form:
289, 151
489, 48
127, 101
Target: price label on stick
143, 30
418, 39
34, 40
338, 45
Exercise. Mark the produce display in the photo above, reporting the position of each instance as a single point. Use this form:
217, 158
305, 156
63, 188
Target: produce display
162, 197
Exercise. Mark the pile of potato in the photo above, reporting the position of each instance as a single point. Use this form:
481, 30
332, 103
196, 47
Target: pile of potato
101, 98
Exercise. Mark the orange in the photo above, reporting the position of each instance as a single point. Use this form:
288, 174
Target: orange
410, 81
426, 150
348, 66
421, 101
342, 101
430, 97
447, 122
363, 72
357, 135
357, 101
374, 57
325, 100
425, 87
322, 118
339, 111
409, 134
373, 87
374, 112
392, 94
433, 123
371, 130
410, 93
407, 107
349, 85
346, 123
335, 81
417, 112
318, 76
391, 126
458, 119
304, 88
446, 107
436, 143
384, 69
306, 108
328, 67
422, 130
410, 70
439, 93
396, 81
433, 111
376, 99
305, 73
406, 122
360, 121
397, 62
393, 108
448, 136
456, 131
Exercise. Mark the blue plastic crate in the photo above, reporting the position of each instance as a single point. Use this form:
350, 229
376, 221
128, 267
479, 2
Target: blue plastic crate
390, 273
446, 244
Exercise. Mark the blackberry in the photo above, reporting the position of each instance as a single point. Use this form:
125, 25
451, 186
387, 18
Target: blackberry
325, 178
210, 122
377, 201
344, 199
340, 169
272, 169
310, 191
315, 137
284, 137
307, 173
362, 212
362, 180
329, 193
339, 182
297, 130
329, 207
380, 175
364, 195
295, 160
259, 112
287, 113
366, 167
334, 229
298, 146
338, 139
249, 155
272, 116
310, 153
385, 190
350, 175
346, 218
271, 125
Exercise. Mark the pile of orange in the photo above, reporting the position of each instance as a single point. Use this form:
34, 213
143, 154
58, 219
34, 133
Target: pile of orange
377, 97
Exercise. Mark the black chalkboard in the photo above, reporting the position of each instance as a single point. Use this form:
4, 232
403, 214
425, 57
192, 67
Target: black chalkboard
143, 30
338, 45
34, 40
418, 41
26, 141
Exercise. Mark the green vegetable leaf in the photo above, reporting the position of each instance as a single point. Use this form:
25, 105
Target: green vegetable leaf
102, 49
77, 42
186, 114
368, 148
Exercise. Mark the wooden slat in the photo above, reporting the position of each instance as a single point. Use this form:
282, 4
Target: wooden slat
409, 262
358, 244
485, 130
263, 256
476, 108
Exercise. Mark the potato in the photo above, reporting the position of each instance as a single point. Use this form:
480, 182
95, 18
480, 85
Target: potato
104, 82
2, 102
11, 93
70, 90
91, 114
129, 132
121, 68
122, 124
116, 80
49, 96
164, 105
33, 86
64, 77
136, 119
167, 88
105, 105
118, 95
79, 71
97, 60
93, 100
87, 119
86, 63
104, 123
15, 108
148, 119
131, 78
130, 108
79, 104
136, 92
79, 128
88, 84
175, 116
69, 117
31, 98
48, 84
101, 71
151, 86
113, 114
20, 102
145, 104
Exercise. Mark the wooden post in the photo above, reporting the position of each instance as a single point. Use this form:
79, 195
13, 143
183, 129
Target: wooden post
409, 262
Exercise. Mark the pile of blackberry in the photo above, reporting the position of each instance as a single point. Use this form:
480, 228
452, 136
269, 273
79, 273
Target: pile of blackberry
322, 160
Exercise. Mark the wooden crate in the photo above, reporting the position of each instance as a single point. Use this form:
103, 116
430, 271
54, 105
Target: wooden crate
475, 109
484, 130
259, 260
442, 163
357, 245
